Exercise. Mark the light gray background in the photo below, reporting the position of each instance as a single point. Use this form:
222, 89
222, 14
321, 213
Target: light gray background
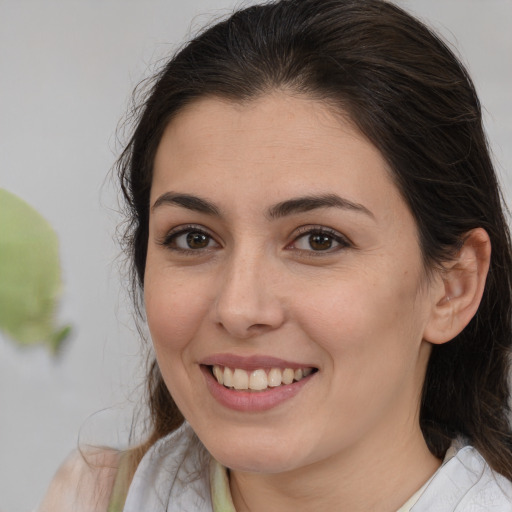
67, 69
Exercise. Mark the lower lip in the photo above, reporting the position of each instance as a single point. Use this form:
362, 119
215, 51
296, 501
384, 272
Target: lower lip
252, 401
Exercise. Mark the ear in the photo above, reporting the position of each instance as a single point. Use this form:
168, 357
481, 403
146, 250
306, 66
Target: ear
458, 288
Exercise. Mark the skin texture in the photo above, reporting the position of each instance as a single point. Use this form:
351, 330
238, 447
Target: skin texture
362, 312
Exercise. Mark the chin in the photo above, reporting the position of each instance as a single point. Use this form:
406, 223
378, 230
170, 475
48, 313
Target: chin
257, 458
257, 464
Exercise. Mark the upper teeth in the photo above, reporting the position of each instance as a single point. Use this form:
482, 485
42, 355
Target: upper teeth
257, 380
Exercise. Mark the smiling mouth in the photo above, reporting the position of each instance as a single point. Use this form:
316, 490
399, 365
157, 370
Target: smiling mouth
259, 379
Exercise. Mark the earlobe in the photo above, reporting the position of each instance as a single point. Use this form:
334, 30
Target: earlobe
460, 288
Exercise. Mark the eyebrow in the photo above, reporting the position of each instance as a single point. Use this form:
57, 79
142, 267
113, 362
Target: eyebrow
279, 210
187, 201
308, 203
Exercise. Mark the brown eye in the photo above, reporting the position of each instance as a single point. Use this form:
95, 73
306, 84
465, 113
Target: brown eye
320, 242
197, 240
190, 239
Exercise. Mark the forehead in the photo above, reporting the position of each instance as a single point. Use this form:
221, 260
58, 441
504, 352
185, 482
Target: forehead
285, 144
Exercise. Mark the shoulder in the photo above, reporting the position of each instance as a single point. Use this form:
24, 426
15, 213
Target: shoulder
489, 490
173, 476
83, 483
465, 482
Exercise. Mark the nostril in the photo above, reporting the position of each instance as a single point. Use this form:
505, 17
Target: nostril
259, 327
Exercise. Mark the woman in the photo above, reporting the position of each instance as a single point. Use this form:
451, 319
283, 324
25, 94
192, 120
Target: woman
325, 267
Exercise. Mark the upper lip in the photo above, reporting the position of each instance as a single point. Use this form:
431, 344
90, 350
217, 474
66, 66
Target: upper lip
251, 363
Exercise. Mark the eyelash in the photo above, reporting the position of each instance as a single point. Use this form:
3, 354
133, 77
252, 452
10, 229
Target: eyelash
169, 241
334, 236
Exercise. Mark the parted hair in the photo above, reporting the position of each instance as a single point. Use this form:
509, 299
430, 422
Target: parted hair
407, 92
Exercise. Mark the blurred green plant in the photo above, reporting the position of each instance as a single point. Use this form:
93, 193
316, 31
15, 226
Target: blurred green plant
30, 277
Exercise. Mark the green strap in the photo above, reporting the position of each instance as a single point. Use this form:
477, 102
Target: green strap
121, 485
219, 488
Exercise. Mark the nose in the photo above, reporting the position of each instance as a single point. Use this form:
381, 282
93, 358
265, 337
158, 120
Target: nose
248, 302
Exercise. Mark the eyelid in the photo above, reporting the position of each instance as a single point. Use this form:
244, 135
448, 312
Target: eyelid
343, 241
177, 231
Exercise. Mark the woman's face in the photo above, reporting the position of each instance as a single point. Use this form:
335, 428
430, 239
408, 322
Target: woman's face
281, 257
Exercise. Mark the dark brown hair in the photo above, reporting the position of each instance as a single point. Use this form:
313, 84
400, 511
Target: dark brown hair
412, 98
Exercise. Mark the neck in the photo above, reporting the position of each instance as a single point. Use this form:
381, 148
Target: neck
375, 476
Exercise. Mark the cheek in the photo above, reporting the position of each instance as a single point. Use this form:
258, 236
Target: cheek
362, 323
371, 347
174, 309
